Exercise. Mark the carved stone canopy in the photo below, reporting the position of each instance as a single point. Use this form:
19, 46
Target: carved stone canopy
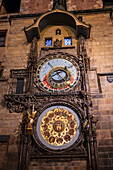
57, 17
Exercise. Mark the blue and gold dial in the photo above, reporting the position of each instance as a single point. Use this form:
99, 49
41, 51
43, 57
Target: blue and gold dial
58, 73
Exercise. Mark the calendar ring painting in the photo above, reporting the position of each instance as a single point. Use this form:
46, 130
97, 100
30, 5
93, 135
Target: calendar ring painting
57, 127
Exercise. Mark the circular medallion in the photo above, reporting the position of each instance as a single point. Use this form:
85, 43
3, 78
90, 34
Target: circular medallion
58, 127
58, 73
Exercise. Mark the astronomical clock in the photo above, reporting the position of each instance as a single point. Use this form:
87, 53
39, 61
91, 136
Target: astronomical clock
58, 73
56, 102
58, 126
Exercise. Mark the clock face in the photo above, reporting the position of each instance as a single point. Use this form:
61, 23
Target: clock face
58, 127
58, 73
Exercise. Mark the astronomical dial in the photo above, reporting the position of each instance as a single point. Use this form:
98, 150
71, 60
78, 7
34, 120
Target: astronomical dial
58, 127
58, 73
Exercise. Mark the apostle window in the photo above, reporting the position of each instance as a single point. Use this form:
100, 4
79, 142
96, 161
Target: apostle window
48, 42
67, 41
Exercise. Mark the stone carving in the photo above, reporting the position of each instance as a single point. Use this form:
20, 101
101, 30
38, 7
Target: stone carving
30, 121
17, 103
85, 124
93, 124
32, 61
82, 50
32, 64
59, 4
2, 9
58, 43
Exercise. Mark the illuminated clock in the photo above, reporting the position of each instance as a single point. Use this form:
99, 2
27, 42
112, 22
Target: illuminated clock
58, 73
58, 127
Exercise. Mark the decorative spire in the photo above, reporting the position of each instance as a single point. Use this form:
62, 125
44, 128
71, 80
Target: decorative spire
59, 4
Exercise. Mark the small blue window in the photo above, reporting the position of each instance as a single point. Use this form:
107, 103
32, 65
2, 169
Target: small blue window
67, 41
48, 42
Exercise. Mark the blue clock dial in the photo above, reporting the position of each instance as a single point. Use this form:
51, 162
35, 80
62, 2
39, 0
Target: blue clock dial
58, 73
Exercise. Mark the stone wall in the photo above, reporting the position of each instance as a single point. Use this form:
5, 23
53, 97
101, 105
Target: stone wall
58, 165
36, 6
13, 55
99, 49
84, 4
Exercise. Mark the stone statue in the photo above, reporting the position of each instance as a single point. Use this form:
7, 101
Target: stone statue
85, 124
30, 121
58, 43
59, 4
93, 124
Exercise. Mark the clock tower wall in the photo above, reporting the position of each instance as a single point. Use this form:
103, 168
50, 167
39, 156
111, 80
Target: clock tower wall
99, 50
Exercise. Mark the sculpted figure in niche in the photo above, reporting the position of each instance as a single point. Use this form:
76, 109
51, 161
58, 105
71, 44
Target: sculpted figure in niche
58, 43
60, 4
